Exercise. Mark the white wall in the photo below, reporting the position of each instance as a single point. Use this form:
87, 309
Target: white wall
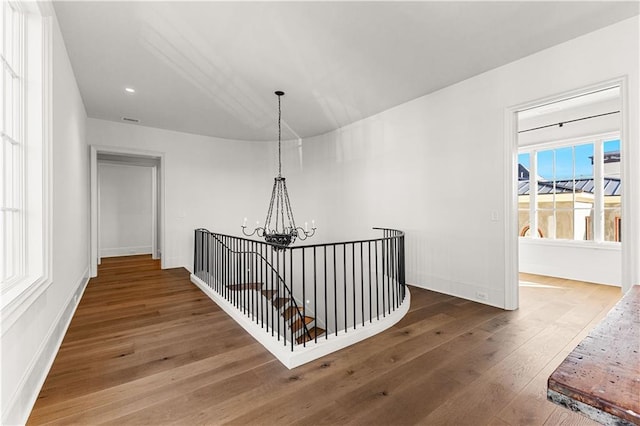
436, 166
126, 211
593, 263
208, 182
30, 345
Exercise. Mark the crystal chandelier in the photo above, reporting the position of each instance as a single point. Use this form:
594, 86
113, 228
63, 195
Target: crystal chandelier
280, 226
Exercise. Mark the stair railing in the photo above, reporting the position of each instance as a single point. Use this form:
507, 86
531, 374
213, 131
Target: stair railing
226, 268
347, 285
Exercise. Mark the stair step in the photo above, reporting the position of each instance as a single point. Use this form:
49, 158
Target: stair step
299, 325
244, 286
269, 294
290, 312
313, 332
280, 302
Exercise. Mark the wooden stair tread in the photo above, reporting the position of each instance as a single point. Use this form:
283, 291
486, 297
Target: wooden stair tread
290, 312
299, 325
313, 332
269, 294
244, 286
281, 302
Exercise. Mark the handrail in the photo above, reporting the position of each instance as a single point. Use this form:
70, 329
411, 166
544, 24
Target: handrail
280, 246
284, 284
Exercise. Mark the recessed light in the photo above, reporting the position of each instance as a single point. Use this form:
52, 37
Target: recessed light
130, 89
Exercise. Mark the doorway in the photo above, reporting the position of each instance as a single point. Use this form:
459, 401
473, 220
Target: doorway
566, 169
127, 192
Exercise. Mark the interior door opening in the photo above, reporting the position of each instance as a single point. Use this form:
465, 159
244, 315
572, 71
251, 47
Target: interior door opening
126, 205
570, 187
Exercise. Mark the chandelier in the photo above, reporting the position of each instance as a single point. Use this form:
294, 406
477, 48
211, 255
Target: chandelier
280, 226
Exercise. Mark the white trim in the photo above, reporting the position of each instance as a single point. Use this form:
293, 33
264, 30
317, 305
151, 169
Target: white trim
125, 251
154, 212
312, 351
603, 245
17, 299
21, 403
630, 173
95, 208
511, 278
593, 138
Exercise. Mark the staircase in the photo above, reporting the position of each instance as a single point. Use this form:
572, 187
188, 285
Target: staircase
294, 318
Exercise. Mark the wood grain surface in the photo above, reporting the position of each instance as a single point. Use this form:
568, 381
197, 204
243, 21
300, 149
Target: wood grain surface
148, 347
603, 371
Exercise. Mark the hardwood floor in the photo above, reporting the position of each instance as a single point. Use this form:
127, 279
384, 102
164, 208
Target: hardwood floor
147, 347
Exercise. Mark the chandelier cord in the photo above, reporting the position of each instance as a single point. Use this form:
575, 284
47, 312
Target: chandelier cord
279, 140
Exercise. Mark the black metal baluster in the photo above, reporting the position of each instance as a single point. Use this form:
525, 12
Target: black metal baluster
353, 282
252, 278
234, 280
243, 265
344, 284
386, 266
292, 287
392, 284
196, 253
263, 281
278, 286
304, 299
273, 295
369, 267
335, 290
315, 297
362, 283
382, 275
284, 284
326, 314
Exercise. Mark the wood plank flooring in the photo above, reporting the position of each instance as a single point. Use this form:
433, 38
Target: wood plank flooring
147, 347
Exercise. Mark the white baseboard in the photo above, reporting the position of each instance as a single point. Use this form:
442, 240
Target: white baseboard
300, 354
21, 403
125, 251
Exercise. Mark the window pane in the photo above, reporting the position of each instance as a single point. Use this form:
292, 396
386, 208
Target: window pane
564, 224
7, 237
546, 223
9, 178
583, 224
612, 191
3, 98
524, 195
546, 190
584, 161
612, 224
523, 222
564, 163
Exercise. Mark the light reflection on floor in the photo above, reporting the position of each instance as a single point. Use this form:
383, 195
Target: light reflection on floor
538, 285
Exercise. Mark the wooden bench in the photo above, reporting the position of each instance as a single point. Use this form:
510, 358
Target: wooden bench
601, 377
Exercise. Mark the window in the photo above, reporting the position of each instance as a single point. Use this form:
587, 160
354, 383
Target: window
24, 155
577, 193
12, 154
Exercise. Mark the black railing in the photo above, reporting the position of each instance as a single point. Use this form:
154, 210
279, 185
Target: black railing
308, 292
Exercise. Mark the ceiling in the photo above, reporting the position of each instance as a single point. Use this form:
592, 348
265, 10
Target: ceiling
211, 68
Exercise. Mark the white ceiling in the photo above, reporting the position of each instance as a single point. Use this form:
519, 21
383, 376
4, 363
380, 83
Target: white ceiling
211, 67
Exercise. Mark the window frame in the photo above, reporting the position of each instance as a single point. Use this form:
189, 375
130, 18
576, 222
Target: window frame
33, 243
597, 232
